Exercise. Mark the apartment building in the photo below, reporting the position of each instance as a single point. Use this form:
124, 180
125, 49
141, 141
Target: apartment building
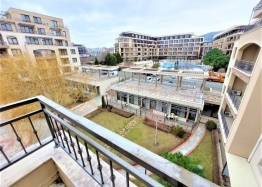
206, 46
135, 46
240, 110
225, 39
37, 35
96, 51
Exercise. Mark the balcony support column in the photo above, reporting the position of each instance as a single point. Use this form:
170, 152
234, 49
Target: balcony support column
138, 78
180, 81
99, 73
108, 73
187, 113
196, 115
161, 79
132, 75
156, 81
177, 79
127, 98
124, 76
169, 109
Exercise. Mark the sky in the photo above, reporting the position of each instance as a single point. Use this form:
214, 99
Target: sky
97, 23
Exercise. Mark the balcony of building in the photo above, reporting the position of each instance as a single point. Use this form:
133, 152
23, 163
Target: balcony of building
36, 162
246, 61
235, 94
226, 120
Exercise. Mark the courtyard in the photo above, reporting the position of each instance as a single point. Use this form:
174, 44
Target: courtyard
134, 130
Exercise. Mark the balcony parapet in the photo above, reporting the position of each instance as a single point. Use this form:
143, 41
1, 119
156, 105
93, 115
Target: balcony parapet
60, 118
253, 26
224, 124
235, 100
245, 66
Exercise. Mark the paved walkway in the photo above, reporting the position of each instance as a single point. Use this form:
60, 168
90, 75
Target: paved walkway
192, 142
85, 108
186, 148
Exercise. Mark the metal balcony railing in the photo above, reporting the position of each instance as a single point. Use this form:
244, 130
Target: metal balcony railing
224, 123
67, 137
235, 100
254, 25
245, 66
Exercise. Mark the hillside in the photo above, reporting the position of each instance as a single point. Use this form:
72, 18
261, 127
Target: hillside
209, 36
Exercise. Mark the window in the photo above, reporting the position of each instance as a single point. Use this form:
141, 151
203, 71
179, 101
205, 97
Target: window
41, 31
47, 41
66, 43
74, 59
6, 27
37, 20
73, 51
16, 52
25, 18
55, 33
62, 51
12, 40
54, 23
59, 43
32, 40
26, 29
64, 33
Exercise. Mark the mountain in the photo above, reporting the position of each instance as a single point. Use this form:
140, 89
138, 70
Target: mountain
209, 36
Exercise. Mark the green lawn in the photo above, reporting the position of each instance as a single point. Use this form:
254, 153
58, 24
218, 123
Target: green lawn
111, 121
139, 134
145, 136
203, 152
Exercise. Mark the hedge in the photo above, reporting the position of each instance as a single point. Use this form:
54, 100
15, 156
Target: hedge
161, 126
120, 112
216, 174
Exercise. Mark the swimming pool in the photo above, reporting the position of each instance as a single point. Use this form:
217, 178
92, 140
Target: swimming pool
190, 65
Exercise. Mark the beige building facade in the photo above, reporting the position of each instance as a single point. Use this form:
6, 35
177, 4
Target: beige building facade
135, 46
37, 35
225, 39
240, 110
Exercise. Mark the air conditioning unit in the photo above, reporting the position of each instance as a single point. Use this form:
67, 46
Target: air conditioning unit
228, 114
236, 92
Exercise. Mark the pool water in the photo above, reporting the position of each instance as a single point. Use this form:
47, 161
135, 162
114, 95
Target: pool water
171, 65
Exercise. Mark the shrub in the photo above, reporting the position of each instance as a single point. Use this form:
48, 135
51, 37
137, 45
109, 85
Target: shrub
184, 162
210, 125
178, 131
103, 102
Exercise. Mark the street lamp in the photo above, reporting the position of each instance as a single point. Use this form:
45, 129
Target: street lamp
106, 99
155, 142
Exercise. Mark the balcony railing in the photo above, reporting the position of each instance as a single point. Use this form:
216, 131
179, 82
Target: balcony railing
256, 24
245, 66
235, 100
224, 123
57, 118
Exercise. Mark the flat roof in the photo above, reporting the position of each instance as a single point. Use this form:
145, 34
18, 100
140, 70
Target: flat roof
97, 67
192, 33
182, 72
227, 30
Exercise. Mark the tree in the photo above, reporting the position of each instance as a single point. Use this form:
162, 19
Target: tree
118, 57
216, 59
156, 65
96, 62
103, 102
110, 60
184, 162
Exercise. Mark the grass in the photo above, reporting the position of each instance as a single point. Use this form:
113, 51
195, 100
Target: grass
145, 136
111, 121
203, 153
139, 134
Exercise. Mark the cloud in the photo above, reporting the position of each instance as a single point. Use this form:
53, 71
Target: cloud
98, 23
